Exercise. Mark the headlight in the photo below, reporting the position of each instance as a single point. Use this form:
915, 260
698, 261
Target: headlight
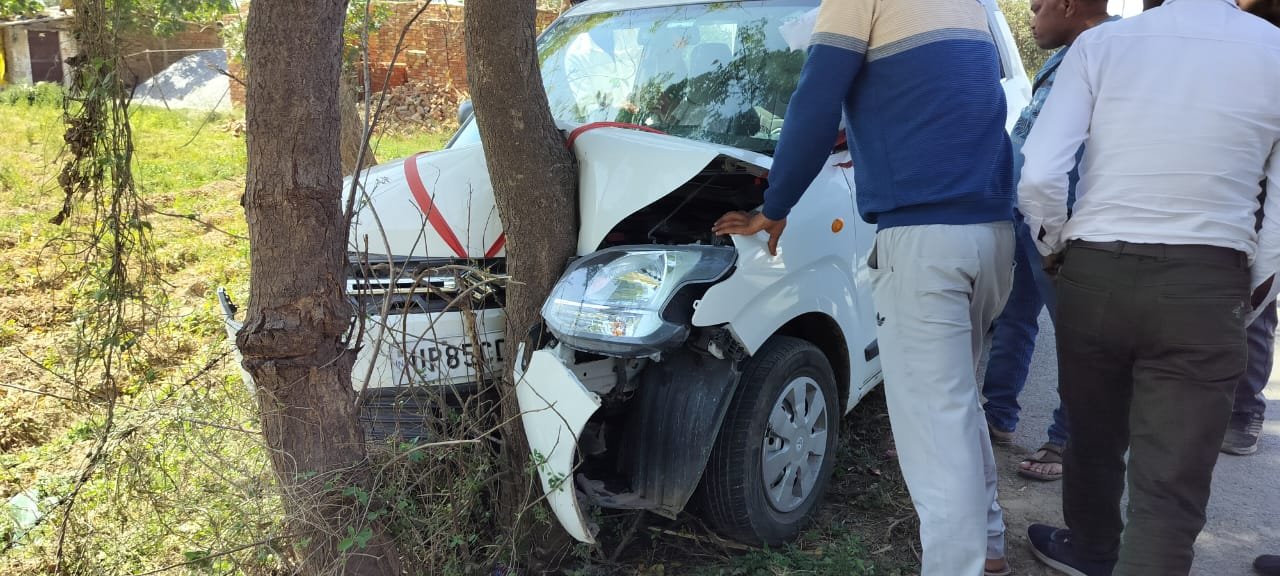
612, 301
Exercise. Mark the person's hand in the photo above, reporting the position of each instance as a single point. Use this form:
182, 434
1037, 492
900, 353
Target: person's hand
1052, 263
744, 224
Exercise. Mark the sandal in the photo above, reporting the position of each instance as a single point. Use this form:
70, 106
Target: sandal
1052, 455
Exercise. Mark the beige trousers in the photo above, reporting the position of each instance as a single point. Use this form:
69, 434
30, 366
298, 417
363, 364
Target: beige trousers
937, 289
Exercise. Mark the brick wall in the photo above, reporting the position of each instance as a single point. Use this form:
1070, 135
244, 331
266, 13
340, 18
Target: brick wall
147, 55
434, 49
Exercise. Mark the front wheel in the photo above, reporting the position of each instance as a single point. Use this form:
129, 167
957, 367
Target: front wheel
773, 458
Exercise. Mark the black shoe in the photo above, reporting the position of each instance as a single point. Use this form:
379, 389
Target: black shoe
1242, 434
1053, 547
1267, 565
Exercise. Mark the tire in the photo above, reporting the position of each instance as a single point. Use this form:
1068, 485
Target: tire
734, 497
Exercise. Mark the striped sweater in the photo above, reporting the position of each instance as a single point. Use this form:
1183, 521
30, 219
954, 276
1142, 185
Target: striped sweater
919, 81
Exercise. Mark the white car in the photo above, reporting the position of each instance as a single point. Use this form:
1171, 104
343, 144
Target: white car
677, 368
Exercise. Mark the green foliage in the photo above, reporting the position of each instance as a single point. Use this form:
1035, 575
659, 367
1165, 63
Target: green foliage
15, 8
363, 16
1018, 13
185, 477
39, 94
167, 17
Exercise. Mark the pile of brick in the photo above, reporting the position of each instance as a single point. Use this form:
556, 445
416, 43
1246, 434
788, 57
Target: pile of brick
418, 105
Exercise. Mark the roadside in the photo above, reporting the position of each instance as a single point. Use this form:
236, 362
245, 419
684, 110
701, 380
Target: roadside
865, 526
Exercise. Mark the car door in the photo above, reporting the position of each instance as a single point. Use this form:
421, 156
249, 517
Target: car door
866, 362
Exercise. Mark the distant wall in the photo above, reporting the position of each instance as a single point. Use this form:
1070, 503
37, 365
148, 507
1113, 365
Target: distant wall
434, 49
17, 57
147, 55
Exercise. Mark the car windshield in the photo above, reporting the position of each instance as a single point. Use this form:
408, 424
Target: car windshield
719, 72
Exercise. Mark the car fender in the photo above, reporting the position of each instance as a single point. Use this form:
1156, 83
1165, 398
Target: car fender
762, 296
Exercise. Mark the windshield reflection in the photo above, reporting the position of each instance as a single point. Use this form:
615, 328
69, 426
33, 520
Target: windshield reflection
718, 73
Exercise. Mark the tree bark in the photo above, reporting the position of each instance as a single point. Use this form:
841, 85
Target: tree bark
534, 184
352, 131
293, 341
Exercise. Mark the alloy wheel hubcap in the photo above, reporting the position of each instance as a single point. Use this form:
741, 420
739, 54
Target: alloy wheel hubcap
795, 443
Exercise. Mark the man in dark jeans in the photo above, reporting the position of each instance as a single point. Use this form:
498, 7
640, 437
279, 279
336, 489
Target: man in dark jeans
1154, 268
1250, 406
1055, 24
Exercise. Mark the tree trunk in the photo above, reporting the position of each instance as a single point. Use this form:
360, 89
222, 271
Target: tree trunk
352, 131
293, 341
535, 183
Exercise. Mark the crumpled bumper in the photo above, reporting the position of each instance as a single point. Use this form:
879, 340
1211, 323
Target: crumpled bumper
555, 407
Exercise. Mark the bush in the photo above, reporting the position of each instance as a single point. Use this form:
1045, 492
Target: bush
41, 94
12, 8
1018, 13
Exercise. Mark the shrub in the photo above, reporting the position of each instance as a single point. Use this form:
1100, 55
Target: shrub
41, 94
1018, 13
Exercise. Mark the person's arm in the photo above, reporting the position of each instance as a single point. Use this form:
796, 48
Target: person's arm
1266, 262
837, 50
1050, 151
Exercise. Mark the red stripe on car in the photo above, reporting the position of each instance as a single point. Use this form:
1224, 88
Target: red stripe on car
429, 208
497, 246
594, 125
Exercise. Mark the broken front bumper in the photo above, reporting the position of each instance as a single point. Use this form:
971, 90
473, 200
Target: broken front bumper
665, 415
555, 406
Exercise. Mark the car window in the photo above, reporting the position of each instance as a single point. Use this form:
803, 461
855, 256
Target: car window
718, 72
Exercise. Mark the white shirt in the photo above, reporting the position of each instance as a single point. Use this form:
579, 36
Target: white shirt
1179, 111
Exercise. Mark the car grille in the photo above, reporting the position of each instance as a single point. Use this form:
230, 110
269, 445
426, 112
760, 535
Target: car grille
425, 285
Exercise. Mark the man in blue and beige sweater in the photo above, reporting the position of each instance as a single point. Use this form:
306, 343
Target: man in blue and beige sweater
920, 84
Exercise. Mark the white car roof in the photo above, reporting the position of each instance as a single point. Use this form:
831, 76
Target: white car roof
598, 6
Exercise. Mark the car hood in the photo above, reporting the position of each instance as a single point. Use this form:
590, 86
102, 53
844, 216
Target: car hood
441, 205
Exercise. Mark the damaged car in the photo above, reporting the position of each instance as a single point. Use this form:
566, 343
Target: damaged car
675, 370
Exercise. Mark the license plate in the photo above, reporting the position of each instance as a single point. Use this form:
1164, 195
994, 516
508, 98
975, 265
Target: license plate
429, 361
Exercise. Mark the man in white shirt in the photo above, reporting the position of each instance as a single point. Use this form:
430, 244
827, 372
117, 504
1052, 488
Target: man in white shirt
1178, 109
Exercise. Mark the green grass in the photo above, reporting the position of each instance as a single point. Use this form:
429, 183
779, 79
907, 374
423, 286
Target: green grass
389, 147
176, 484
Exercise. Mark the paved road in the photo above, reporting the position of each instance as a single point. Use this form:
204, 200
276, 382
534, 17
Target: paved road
1244, 512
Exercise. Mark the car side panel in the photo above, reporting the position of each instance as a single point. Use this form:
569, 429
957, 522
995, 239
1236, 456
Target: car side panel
813, 272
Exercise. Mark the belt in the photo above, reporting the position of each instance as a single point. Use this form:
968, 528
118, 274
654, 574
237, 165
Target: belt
1196, 251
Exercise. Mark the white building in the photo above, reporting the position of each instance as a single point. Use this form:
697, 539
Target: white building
36, 49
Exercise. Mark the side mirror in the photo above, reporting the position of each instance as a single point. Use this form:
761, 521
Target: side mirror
464, 111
